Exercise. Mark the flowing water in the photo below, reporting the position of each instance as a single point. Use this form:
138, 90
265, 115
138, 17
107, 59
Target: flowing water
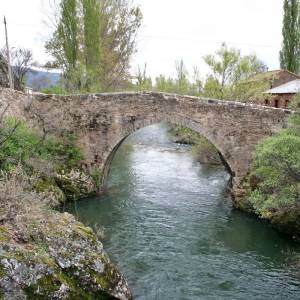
170, 228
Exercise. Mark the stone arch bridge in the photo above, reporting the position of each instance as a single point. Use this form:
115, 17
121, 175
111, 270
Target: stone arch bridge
103, 121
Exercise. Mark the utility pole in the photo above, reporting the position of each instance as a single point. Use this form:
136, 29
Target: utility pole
10, 77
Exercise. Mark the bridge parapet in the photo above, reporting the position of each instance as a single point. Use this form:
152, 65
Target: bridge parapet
102, 121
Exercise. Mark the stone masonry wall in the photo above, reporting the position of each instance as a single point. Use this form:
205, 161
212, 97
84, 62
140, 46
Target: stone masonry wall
102, 121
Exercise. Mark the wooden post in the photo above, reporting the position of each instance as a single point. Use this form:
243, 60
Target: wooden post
10, 76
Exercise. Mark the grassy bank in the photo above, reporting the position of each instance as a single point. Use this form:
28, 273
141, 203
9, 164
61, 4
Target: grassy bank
52, 163
46, 254
273, 185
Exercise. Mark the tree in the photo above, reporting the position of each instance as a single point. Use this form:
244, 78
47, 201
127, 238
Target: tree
274, 180
143, 82
277, 172
22, 61
223, 66
183, 86
228, 69
164, 84
290, 53
93, 42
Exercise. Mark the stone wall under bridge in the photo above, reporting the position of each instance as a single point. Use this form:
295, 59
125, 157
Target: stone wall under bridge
103, 121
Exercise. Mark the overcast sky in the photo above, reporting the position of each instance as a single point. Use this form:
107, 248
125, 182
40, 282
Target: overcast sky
171, 30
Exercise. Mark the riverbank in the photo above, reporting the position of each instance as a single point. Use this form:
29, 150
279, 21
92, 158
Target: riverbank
45, 254
30, 229
202, 150
284, 216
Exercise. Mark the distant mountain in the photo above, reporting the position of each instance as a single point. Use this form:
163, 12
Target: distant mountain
39, 79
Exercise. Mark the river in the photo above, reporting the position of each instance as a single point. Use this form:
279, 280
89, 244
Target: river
170, 227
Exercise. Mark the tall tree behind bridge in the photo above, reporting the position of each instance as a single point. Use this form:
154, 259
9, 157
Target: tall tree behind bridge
228, 69
290, 53
93, 42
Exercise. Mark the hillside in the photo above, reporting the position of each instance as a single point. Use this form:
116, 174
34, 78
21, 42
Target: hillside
39, 79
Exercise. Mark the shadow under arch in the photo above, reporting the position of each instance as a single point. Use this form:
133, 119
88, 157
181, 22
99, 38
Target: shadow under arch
116, 146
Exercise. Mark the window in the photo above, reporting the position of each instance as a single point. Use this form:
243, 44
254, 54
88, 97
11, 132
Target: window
276, 103
287, 102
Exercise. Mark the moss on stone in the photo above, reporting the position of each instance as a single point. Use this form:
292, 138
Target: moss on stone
76, 184
51, 284
2, 273
4, 234
43, 287
49, 185
86, 232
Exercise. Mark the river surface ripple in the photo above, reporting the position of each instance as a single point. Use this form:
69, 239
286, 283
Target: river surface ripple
170, 227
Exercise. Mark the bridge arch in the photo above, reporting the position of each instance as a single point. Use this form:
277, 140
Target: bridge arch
102, 121
109, 157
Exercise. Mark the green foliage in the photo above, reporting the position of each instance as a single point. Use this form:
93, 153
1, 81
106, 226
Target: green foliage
295, 103
62, 151
290, 53
93, 43
205, 152
229, 71
96, 175
92, 34
67, 32
54, 90
185, 135
213, 89
202, 149
24, 143
143, 82
223, 65
229, 78
19, 144
277, 170
181, 84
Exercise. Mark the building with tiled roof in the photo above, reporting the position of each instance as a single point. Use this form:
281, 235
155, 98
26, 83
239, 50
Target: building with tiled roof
282, 95
266, 85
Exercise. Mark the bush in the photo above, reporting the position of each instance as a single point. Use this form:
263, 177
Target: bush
18, 143
203, 150
23, 143
54, 90
277, 171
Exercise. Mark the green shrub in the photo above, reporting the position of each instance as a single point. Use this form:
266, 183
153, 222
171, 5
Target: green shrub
54, 90
22, 143
203, 150
96, 176
63, 152
277, 170
19, 142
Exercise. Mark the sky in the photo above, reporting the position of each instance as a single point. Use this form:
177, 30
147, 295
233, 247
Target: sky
172, 30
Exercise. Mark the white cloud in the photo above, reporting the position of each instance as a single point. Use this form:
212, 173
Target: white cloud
172, 30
